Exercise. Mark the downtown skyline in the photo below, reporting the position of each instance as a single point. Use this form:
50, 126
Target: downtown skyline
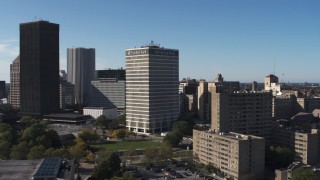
241, 40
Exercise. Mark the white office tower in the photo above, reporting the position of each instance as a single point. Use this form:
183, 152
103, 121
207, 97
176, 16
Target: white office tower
152, 88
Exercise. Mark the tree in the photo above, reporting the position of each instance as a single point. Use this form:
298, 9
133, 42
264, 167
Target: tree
173, 138
119, 133
19, 151
279, 157
304, 174
6, 133
182, 126
61, 152
165, 152
36, 152
102, 122
5, 149
87, 136
108, 167
151, 154
129, 154
78, 150
35, 130
27, 121
54, 137
122, 119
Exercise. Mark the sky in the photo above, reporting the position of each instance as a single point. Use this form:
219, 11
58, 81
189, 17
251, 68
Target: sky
243, 40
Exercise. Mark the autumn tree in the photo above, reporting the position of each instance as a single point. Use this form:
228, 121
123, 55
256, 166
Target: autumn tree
88, 136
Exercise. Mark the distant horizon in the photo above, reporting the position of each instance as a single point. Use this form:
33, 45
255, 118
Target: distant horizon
242, 40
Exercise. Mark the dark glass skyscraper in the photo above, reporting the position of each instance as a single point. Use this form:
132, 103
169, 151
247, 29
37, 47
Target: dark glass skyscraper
39, 67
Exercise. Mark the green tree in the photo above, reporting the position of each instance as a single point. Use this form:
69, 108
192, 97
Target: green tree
173, 138
35, 130
102, 122
108, 167
88, 136
5, 149
182, 126
54, 137
279, 157
122, 119
19, 151
6, 133
27, 121
304, 174
61, 152
36, 152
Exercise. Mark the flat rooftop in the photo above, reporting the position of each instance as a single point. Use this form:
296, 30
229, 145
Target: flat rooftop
18, 169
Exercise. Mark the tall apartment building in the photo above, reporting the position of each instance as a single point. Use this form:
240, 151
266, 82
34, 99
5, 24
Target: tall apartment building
152, 88
14, 97
242, 112
39, 68
304, 144
236, 155
81, 69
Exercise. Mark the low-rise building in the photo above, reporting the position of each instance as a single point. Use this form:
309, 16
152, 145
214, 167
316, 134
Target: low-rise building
236, 155
110, 113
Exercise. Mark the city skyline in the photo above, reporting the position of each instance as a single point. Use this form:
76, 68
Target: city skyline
241, 40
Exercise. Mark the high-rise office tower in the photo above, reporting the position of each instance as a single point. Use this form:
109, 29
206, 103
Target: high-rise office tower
202, 100
39, 67
14, 98
2, 89
81, 69
152, 88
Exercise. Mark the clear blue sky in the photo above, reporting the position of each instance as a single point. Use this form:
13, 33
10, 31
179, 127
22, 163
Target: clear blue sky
240, 39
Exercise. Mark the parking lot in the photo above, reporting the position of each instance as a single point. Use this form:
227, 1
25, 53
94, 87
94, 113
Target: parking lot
169, 170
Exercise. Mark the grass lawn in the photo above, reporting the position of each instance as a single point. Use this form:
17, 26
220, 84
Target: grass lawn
124, 145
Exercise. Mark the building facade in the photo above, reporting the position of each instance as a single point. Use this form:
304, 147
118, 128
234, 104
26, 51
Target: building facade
95, 112
14, 97
305, 145
67, 94
81, 71
242, 112
152, 88
2, 89
108, 93
111, 74
202, 100
236, 155
39, 68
